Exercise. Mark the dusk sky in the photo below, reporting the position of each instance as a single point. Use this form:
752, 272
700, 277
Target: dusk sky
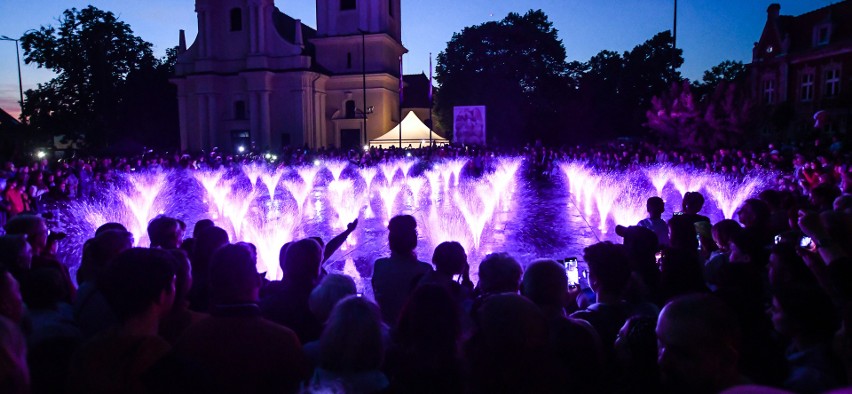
709, 31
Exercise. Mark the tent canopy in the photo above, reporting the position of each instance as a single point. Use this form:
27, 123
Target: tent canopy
414, 132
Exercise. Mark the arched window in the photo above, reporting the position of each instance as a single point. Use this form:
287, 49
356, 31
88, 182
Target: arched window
350, 109
347, 4
236, 19
240, 110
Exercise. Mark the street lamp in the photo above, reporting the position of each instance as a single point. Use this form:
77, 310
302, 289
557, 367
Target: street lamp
364, 78
18, 56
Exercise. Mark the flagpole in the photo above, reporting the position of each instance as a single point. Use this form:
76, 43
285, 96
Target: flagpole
430, 101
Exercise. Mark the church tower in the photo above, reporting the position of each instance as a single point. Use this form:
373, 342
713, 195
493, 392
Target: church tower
359, 42
249, 81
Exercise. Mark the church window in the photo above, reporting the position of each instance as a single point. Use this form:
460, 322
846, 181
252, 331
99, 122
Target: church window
349, 60
236, 19
350, 109
240, 110
347, 5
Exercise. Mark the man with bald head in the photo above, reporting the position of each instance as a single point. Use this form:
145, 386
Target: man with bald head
698, 341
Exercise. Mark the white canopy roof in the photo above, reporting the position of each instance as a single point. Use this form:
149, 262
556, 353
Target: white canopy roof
414, 132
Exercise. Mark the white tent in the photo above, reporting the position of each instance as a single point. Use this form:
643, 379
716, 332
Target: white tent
414, 133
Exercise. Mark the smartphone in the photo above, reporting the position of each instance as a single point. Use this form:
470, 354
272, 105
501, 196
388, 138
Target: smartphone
570, 265
678, 213
807, 243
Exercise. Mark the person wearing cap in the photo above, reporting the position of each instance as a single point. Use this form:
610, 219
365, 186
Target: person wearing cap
395, 277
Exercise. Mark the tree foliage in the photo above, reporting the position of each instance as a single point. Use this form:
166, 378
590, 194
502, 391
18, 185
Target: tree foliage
92, 54
516, 67
728, 71
722, 119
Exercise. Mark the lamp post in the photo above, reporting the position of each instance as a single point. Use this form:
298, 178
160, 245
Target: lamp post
18, 57
674, 41
364, 79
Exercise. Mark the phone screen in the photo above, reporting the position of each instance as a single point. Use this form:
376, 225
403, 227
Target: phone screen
571, 271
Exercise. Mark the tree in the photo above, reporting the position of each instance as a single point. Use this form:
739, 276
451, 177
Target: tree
92, 53
723, 119
615, 90
727, 71
516, 67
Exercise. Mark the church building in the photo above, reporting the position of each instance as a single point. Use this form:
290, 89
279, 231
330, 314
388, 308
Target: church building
256, 78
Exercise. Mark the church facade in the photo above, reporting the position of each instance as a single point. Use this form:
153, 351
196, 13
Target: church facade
256, 78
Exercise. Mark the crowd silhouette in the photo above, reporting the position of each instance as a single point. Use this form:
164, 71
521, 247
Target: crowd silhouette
682, 305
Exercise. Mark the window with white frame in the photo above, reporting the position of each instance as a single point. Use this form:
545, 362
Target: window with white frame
807, 87
832, 82
768, 91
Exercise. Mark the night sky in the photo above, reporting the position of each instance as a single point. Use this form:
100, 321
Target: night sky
709, 31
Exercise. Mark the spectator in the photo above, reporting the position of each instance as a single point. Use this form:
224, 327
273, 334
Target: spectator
209, 241
16, 254
180, 317
608, 278
139, 287
395, 277
425, 355
636, 352
508, 352
698, 340
286, 301
723, 232
576, 347
806, 316
36, 231
755, 217
682, 225
251, 354
332, 289
14, 374
164, 232
451, 271
352, 347
654, 222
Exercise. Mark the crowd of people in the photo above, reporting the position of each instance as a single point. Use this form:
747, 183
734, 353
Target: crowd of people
38, 184
683, 305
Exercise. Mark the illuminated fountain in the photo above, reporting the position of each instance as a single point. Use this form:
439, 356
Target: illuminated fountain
484, 213
607, 191
271, 181
389, 170
415, 185
140, 201
659, 175
730, 194
434, 178
688, 181
455, 167
336, 168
